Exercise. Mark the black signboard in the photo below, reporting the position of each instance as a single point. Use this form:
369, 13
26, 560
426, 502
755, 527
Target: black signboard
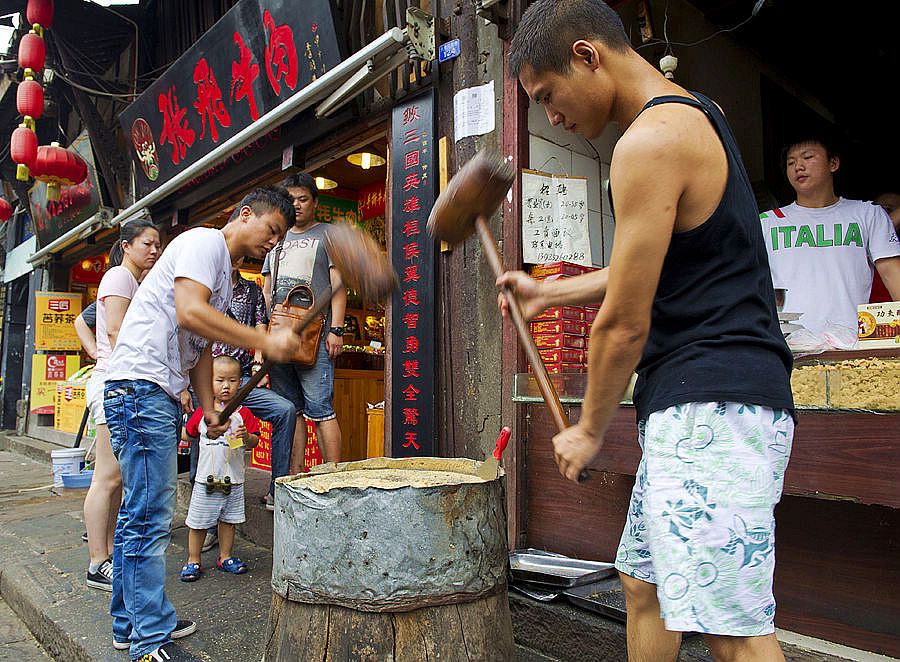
413, 257
76, 204
257, 55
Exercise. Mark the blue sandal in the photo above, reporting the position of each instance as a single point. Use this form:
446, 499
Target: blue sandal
232, 565
190, 572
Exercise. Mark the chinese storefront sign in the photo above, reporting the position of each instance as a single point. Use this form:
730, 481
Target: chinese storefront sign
54, 321
554, 219
412, 254
53, 218
46, 371
261, 456
257, 55
335, 210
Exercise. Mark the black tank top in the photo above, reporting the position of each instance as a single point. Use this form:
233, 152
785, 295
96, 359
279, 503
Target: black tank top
714, 333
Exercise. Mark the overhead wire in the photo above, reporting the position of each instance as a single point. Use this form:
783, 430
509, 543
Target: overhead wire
655, 42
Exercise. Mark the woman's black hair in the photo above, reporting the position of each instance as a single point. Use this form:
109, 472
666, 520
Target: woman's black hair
128, 233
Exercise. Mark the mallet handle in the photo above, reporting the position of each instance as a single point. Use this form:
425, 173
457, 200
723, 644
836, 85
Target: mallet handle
244, 391
548, 392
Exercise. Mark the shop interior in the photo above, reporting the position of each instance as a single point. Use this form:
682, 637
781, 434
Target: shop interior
352, 186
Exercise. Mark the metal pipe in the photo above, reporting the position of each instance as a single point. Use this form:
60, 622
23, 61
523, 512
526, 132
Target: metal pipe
300, 101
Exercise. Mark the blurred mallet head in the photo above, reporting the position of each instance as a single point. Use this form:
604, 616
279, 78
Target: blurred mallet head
360, 261
476, 190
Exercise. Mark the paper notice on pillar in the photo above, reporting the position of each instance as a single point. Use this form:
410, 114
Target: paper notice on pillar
473, 111
554, 219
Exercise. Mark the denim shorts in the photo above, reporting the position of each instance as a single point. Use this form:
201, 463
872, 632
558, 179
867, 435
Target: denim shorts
700, 524
310, 390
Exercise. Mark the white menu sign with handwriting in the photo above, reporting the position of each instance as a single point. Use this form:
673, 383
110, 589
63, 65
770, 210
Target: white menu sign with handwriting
554, 219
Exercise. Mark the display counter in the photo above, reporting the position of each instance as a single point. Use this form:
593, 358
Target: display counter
837, 574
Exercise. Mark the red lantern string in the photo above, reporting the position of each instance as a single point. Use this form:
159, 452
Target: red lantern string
23, 146
6, 210
58, 167
30, 101
40, 12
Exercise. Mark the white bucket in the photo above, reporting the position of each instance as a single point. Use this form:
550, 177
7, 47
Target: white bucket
66, 461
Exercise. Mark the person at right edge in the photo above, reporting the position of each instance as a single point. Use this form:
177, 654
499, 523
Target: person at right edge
301, 259
688, 303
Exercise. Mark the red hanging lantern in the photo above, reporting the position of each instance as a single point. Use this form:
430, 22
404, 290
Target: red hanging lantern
6, 210
30, 101
40, 12
32, 53
58, 167
23, 147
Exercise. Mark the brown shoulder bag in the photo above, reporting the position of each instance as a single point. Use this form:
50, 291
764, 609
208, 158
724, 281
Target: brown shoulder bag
289, 314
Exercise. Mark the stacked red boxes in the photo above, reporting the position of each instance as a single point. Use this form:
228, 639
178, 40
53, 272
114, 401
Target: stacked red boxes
561, 333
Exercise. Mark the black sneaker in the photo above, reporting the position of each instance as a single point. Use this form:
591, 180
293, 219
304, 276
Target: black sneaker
101, 579
84, 537
182, 629
170, 652
269, 502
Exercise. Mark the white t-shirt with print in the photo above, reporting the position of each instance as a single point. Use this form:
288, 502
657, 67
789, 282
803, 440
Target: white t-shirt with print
150, 344
825, 257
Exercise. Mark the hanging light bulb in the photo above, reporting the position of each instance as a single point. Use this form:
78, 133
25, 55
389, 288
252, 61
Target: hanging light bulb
667, 64
366, 160
323, 183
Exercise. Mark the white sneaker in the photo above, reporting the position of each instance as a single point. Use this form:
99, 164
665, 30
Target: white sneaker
210, 541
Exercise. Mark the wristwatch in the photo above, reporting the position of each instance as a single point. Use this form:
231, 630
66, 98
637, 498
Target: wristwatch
337, 330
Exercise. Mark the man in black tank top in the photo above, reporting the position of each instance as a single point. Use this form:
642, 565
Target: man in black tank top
687, 302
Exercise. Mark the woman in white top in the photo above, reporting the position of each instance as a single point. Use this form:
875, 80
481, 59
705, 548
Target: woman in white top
130, 258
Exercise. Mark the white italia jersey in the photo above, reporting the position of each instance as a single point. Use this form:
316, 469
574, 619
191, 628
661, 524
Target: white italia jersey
825, 257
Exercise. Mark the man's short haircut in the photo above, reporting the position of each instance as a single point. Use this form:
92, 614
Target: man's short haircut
302, 180
831, 150
267, 199
224, 360
545, 35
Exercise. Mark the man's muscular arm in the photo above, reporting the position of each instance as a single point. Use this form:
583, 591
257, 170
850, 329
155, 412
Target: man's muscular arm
648, 178
193, 312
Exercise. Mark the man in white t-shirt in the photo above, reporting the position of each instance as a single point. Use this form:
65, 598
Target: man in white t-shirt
163, 344
823, 248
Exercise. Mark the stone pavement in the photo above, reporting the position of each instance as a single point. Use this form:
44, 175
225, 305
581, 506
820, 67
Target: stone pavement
43, 576
16, 642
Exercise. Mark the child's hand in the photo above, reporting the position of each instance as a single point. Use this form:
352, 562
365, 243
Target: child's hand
253, 442
242, 433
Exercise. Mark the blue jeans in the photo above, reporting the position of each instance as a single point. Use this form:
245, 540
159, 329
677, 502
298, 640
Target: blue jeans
265, 404
143, 423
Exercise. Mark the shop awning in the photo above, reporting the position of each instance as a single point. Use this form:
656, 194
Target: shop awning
332, 90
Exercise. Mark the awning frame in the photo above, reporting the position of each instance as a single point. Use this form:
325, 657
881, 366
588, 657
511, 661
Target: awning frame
380, 52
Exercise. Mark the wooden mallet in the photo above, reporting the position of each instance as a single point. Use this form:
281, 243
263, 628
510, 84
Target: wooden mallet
361, 265
463, 208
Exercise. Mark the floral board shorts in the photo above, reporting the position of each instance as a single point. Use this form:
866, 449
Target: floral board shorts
700, 523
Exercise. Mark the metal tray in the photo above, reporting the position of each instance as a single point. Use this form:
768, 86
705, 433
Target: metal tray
556, 571
605, 597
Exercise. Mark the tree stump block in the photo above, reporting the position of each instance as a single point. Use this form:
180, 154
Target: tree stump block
403, 560
464, 632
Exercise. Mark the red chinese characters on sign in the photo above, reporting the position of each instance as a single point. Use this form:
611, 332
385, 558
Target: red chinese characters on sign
410, 115
410, 416
209, 100
243, 73
411, 298
281, 52
411, 227
412, 274
411, 440
411, 204
410, 320
175, 127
